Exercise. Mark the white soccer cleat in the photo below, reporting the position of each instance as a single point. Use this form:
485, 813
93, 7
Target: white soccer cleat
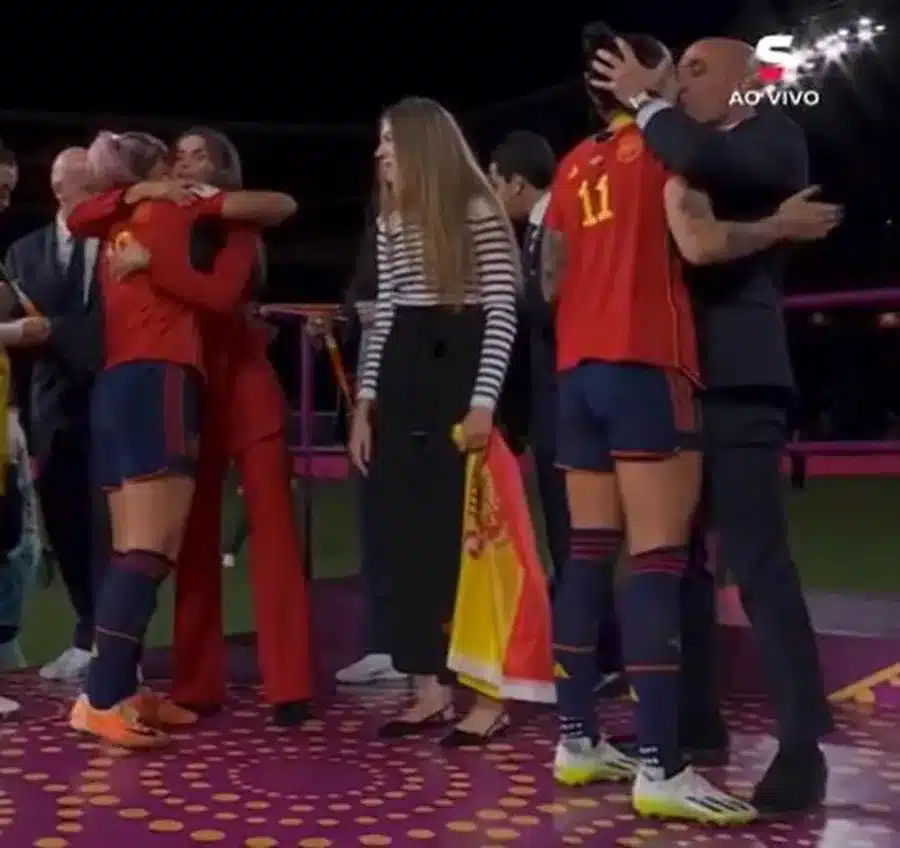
578, 762
689, 796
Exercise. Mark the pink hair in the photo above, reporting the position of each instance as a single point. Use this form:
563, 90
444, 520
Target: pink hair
123, 159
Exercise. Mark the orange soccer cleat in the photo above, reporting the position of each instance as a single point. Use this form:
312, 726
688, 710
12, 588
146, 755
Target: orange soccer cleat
160, 712
120, 725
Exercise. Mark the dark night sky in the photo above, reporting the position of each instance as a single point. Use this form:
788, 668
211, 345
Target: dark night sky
301, 93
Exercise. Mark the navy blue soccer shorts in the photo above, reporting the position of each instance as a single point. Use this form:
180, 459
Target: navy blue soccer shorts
145, 422
622, 411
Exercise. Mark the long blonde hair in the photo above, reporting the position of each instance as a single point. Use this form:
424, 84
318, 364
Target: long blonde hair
439, 180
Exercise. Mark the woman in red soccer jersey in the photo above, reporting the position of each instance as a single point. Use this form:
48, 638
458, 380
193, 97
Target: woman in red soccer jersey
627, 365
245, 422
146, 410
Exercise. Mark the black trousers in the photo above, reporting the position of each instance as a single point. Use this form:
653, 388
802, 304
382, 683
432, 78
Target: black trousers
425, 384
77, 524
372, 571
743, 441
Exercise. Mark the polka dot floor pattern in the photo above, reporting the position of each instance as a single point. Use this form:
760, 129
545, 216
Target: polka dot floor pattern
236, 780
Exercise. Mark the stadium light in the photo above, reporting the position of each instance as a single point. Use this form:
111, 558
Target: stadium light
815, 54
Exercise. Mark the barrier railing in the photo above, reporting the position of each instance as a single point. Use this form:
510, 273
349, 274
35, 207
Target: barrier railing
821, 456
854, 456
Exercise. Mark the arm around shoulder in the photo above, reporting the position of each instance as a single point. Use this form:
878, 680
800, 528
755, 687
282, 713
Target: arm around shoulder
263, 208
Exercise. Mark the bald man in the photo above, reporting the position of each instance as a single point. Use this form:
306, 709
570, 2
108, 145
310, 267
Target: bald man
746, 164
57, 273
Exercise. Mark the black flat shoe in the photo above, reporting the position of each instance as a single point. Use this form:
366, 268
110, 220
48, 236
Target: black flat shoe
291, 713
398, 728
457, 738
794, 783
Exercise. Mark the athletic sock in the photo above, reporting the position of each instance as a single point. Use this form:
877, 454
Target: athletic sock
580, 597
651, 628
126, 605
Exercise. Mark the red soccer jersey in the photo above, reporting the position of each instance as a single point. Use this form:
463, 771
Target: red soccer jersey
153, 315
621, 296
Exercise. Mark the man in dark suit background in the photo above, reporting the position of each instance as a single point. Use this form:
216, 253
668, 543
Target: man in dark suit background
376, 665
747, 163
521, 170
57, 273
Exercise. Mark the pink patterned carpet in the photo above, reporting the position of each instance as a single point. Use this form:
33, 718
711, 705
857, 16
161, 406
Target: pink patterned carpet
238, 781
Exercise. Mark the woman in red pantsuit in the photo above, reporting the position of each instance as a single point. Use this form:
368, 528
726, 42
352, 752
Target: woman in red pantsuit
245, 424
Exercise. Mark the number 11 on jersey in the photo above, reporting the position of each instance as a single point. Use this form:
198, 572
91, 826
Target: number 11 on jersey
595, 205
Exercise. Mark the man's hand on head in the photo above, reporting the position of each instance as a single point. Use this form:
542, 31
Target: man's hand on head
625, 77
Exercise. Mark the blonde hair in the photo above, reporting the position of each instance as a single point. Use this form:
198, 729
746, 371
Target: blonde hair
440, 188
123, 159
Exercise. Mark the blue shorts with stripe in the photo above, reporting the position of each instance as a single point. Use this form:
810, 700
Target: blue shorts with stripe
145, 422
609, 411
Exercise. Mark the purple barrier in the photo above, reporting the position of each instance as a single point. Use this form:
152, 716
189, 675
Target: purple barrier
845, 448
887, 298
301, 314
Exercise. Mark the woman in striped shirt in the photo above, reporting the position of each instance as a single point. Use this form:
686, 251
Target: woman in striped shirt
445, 321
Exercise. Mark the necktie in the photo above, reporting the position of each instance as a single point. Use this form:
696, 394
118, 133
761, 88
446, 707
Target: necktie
532, 264
75, 273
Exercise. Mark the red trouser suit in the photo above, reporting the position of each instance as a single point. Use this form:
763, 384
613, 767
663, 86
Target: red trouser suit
246, 417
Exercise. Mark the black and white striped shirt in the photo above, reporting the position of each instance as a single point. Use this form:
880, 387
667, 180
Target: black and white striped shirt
401, 282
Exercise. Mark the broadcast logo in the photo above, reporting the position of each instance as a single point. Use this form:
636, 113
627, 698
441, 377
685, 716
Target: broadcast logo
779, 74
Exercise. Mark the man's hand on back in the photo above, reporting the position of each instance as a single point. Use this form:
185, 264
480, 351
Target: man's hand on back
800, 218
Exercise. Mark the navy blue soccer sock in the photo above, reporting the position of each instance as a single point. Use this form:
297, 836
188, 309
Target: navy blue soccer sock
580, 600
126, 605
651, 627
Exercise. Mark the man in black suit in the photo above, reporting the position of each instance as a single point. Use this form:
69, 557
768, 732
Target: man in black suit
57, 273
376, 664
521, 170
747, 163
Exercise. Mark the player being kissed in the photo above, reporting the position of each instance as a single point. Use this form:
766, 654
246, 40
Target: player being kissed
627, 364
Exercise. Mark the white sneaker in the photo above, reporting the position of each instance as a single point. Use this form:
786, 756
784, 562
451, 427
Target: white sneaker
8, 706
578, 762
70, 666
372, 668
227, 560
688, 796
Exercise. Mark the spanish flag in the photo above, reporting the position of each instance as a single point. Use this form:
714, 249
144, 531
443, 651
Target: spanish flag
500, 639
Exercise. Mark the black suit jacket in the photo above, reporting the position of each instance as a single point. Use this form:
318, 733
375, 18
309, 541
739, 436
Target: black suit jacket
747, 172
62, 372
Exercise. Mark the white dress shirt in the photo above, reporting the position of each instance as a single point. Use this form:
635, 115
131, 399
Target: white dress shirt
539, 210
65, 242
